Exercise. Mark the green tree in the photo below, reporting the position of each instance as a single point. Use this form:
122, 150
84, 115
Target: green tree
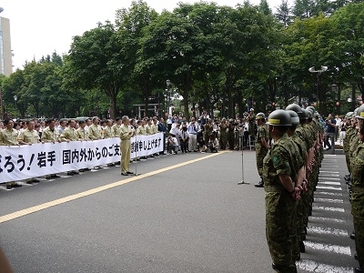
170, 43
264, 7
95, 61
348, 22
131, 23
12, 86
310, 43
284, 13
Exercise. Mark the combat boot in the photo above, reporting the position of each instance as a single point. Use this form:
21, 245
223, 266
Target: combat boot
260, 184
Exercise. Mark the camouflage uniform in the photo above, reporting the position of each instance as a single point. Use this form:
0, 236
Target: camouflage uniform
354, 142
350, 133
357, 201
208, 128
251, 121
280, 206
299, 221
223, 135
231, 136
260, 149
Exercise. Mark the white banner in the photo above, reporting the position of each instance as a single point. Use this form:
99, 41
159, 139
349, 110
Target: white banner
27, 161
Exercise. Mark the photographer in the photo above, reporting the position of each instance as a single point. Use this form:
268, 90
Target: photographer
330, 129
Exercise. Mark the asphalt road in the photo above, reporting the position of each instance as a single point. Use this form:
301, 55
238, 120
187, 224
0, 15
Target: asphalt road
184, 213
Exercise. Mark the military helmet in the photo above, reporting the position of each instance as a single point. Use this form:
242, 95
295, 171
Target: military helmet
304, 114
279, 118
349, 115
355, 114
260, 115
310, 112
310, 108
294, 107
317, 115
360, 113
295, 120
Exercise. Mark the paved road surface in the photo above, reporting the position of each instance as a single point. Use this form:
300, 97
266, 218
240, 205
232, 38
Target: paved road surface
184, 213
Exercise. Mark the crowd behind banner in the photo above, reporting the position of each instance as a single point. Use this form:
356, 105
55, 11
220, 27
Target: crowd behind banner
46, 147
44, 159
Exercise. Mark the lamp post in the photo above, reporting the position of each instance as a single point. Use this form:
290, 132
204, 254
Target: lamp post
319, 71
169, 85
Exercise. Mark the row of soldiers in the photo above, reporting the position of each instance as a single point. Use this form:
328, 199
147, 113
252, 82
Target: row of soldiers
289, 166
66, 130
353, 147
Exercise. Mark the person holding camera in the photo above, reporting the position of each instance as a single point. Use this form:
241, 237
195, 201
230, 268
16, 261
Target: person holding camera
329, 141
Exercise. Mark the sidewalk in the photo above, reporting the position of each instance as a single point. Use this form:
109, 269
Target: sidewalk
328, 245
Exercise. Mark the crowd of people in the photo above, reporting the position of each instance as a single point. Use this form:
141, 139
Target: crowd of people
289, 147
181, 136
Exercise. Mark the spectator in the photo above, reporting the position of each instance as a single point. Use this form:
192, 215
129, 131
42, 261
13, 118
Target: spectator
192, 132
213, 143
330, 126
184, 138
172, 144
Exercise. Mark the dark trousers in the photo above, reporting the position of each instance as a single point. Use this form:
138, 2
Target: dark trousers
184, 145
327, 143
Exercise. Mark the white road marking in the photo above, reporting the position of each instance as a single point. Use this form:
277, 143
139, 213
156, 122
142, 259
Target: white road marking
312, 266
327, 219
329, 193
329, 188
328, 208
327, 230
62, 200
329, 183
332, 163
329, 200
321, 171
329, 178
345, 250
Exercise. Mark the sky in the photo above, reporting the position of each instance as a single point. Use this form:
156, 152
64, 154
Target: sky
40, 27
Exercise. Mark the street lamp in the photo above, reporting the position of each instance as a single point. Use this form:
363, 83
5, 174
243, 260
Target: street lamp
319, 71
15, 100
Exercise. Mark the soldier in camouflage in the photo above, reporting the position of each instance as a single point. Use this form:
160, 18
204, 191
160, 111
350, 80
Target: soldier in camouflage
280, 172
357, 200
261, 145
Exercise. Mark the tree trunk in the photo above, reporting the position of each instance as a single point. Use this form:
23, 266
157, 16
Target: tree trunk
230, 103
185, 105
113, 107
